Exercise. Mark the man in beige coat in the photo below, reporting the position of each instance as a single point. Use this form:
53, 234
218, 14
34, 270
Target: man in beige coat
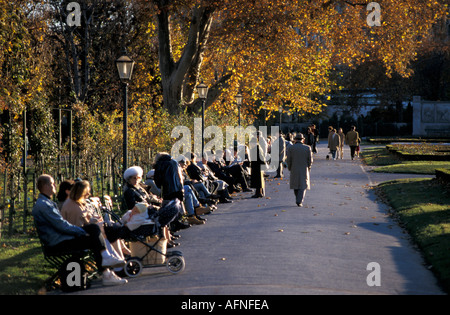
334, 142
353, 140
299, 161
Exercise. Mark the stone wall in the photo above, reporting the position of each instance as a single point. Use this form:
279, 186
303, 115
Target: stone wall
430, 119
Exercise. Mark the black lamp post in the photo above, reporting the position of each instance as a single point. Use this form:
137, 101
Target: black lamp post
239, 103
280, 109
125, 67
202, 90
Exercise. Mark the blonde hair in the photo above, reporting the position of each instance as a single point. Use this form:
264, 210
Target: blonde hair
79, 190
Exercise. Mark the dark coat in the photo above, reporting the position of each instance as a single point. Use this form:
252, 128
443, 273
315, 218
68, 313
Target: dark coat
195, 172
134, 195
257, 175
168, 178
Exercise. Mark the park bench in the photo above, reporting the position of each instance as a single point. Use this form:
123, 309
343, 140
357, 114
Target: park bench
59, 260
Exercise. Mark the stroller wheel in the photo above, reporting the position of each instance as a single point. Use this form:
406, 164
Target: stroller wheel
133, 267
175, 264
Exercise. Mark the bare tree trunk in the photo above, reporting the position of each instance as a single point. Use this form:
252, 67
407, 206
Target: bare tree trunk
179, 79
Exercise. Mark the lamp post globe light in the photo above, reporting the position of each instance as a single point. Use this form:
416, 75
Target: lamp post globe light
202, 90
239, 103
125, 67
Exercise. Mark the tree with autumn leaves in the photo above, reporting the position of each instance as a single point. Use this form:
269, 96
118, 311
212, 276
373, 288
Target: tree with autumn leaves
280, 52
277, 53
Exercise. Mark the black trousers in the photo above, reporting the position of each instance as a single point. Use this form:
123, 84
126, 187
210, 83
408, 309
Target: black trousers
93, 240
352, 150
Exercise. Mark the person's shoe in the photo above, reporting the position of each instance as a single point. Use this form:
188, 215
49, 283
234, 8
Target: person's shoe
113, 262
194, 220
177, 225
200, 218
176, 236
224, 200
299, 204
172, 244
247, 190
257, 196
202, 210
110, 278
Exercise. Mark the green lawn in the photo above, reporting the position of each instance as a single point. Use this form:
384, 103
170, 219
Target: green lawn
378, 156
422, 206
414, 167
22, 266
389, 163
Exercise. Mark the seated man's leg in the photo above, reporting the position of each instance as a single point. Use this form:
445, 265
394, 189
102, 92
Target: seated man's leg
189, 200
93, 240
202, 190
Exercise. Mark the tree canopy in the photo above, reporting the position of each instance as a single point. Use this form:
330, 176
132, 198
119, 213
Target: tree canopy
280, 52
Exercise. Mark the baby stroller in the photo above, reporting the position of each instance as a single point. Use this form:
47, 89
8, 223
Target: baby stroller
151, 253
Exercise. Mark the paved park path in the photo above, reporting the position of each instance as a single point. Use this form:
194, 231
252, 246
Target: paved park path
271, 246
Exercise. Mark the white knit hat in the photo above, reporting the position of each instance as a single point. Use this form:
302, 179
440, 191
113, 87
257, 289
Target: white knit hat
133, 171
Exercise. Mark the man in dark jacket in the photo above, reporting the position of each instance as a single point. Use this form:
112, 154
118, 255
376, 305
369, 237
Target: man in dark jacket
168, 177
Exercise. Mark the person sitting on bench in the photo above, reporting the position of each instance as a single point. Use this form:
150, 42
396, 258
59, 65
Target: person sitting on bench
58, 235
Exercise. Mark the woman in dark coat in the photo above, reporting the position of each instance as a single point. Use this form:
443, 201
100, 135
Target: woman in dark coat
257, 175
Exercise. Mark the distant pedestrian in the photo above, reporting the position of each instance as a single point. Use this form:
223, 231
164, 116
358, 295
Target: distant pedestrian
333, 142
315, 132
299, 161
341, 135
352, 139
310, 138
256, 163
281, 144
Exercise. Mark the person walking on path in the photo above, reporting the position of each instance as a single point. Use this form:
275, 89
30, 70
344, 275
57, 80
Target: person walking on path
299, 161
341, 135
352, 139
257, 162
280, 143
315, 132
334, 143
